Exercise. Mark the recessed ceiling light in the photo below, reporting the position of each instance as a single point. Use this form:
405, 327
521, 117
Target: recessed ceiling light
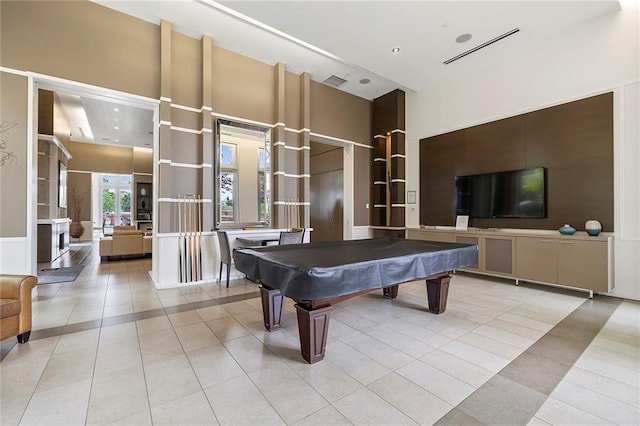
365, 81
117, 140
116, 109
463, 38
116, 127
395, 50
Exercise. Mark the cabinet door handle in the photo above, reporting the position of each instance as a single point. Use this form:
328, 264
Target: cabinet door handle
566, 242
547, 241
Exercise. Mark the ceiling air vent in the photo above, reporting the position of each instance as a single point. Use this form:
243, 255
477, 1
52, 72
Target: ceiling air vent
334, 80
483, 45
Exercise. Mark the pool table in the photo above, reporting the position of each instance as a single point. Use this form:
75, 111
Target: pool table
320, 275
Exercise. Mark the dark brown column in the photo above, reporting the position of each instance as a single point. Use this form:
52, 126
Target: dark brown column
390, 292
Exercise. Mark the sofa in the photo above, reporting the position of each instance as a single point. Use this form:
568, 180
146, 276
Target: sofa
15, 306
125, 240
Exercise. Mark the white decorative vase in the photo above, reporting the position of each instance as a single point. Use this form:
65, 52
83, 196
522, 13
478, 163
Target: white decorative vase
593, 227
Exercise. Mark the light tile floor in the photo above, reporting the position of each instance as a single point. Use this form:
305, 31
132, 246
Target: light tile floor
387, 361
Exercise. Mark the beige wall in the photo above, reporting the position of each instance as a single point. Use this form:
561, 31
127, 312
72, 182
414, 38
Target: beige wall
81, 41
61, 39
13, 156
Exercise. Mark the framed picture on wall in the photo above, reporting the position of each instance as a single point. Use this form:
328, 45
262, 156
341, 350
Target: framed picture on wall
62, 185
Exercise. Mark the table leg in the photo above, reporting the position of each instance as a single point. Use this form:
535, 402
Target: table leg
437, 292
390, 292
272, 307
313, 325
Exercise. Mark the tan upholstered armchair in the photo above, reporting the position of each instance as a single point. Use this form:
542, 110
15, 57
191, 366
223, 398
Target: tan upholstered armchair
15, 306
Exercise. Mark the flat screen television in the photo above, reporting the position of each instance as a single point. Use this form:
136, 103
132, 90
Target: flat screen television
507, 194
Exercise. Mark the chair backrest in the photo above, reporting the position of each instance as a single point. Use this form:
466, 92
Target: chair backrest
299, 230
291, 237
225, 250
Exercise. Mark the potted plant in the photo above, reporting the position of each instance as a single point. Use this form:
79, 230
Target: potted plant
76, 229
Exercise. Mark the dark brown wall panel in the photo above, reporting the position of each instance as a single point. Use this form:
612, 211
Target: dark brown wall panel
574, 141
389, 112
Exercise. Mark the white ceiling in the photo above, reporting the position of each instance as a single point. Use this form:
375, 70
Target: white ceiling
353, 39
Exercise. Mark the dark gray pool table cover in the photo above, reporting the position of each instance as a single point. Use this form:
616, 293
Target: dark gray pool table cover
328, 270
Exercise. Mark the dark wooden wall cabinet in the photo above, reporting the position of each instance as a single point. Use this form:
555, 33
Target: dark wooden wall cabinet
573, 141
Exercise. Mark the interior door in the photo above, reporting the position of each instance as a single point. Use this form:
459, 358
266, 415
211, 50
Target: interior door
327, 192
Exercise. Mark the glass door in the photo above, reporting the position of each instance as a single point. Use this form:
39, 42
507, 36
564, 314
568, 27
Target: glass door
115, 203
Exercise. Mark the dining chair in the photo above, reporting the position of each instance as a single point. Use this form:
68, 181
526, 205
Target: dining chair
291, 237
225, 254
300, 230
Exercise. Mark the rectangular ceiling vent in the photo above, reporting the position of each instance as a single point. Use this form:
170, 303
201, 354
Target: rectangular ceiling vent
481, 46
334, 81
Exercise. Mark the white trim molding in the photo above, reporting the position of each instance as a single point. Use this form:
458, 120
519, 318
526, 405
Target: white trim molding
290, 175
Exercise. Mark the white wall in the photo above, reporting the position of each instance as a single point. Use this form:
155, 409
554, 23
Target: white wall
599, 56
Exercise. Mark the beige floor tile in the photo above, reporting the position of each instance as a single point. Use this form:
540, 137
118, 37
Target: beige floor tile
625, 348
533, 324
75, 341
143, 418
460, 369
607, 369
438, 383
476, 355
328, 380
511, 338
358, 365
238, 401
169, 379
196, 336
408, 345
287, 393
596, 404
12, 409
213, 365
152, 325
365, 407
116, 395
212, 313
324, 417
227, 328
120, 355
115, 333
611, 388
558, 413
184, 318
379, 351
412, 400
63, 405
251, 354
160, 346
68, 367
192, 409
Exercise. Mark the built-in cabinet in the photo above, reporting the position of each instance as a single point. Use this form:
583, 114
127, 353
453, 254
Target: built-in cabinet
578, 261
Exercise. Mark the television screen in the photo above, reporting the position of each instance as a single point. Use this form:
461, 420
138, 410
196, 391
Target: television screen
508, 194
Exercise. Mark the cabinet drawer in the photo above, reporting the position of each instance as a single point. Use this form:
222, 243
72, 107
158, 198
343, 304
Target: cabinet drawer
583, 264
537, 259
499, 255
445, 237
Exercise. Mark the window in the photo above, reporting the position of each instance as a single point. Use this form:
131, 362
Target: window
115, 203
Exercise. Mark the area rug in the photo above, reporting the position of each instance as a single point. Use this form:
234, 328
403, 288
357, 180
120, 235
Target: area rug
58, 275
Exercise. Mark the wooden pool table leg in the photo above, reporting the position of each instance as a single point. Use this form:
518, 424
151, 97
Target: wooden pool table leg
437, 292
272, 307
390, 292
313, 325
